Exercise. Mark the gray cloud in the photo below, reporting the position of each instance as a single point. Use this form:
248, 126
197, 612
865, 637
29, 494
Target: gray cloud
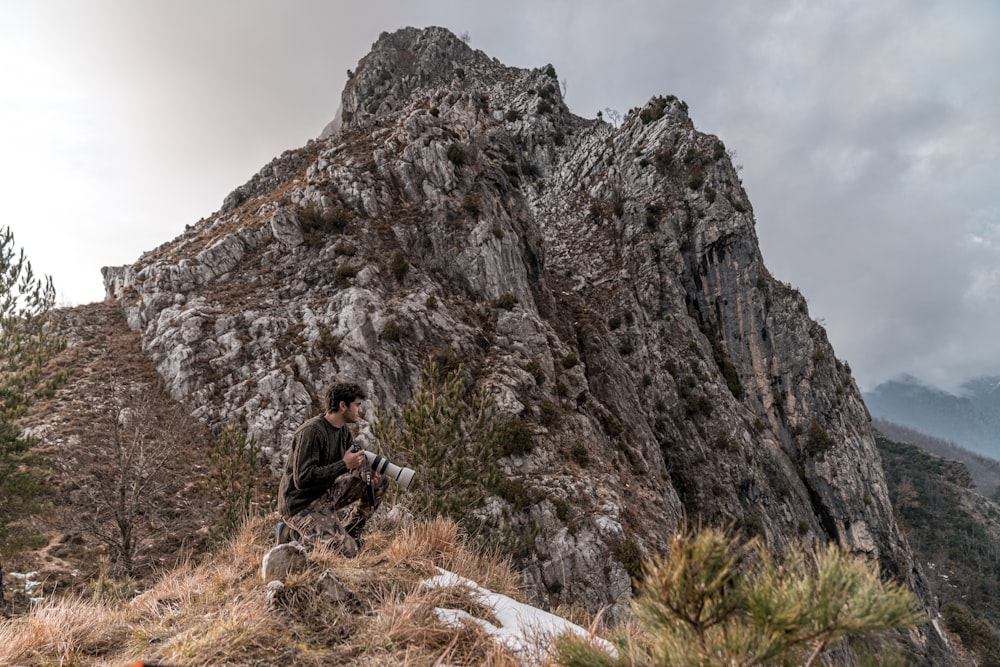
869, 132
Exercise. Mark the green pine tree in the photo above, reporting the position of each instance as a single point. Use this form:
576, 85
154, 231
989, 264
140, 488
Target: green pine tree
26, 343
234, 458
713, 602
449, 436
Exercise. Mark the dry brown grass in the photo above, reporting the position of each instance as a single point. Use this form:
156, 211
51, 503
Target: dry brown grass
437, 544
64, 632
217, 612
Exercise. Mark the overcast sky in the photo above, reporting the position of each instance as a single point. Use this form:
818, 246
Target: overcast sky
868, 132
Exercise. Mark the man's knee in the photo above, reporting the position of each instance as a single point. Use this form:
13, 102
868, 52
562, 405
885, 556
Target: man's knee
348, 489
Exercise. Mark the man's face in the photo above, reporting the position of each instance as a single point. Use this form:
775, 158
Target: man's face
353, 412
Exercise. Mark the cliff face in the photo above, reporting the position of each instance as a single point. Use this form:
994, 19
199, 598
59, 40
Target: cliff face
461, 201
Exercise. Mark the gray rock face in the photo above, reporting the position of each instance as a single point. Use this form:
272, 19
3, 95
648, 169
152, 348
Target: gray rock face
684, 378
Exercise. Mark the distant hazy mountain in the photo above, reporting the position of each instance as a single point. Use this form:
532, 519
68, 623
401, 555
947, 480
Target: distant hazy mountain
970, 418
985, 393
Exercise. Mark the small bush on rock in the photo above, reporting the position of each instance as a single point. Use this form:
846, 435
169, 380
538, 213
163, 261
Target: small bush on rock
456, 155
400, 265
505, 302
394, 332
472, 203
318, 223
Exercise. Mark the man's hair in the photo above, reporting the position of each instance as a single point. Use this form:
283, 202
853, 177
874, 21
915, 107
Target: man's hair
342, 392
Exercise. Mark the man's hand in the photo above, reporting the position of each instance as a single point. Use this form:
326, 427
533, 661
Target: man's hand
354, 459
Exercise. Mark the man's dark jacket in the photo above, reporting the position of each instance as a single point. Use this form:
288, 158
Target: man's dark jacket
316, 460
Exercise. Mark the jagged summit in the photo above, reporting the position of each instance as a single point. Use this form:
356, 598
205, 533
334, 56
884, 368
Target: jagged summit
403, 61
408, 60
604, 284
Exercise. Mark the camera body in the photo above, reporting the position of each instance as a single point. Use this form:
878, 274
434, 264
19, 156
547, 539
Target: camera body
366, 470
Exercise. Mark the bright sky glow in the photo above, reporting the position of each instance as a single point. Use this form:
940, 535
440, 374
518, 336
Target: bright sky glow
869, 132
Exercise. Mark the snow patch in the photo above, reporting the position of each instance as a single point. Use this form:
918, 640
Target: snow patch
528, 631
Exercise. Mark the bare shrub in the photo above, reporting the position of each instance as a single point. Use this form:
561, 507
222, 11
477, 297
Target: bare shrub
125, 469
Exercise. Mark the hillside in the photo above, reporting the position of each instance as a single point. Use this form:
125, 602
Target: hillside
955, 533
75, 433
984, 472
603, 286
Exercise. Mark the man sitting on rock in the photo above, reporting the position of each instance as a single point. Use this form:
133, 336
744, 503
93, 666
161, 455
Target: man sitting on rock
321, 477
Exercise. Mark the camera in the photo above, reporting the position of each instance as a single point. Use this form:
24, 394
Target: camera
383, 466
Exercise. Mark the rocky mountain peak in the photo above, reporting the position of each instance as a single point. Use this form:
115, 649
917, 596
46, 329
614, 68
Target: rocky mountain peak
603, 284
408, 60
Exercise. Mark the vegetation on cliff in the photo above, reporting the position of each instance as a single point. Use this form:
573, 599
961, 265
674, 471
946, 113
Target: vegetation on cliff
955, 535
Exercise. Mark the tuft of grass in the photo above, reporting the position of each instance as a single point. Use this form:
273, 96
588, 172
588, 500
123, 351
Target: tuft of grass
439, 543
62, 632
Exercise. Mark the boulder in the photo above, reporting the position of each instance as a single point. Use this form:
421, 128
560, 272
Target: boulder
283, 560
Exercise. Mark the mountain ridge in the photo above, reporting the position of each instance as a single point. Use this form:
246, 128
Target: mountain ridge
604, 284
969, 417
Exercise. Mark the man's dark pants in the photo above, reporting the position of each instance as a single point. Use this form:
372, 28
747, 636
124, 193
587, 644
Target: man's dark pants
318, 523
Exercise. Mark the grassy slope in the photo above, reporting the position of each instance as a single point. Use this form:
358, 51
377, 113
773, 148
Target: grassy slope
218, 612
102, 351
